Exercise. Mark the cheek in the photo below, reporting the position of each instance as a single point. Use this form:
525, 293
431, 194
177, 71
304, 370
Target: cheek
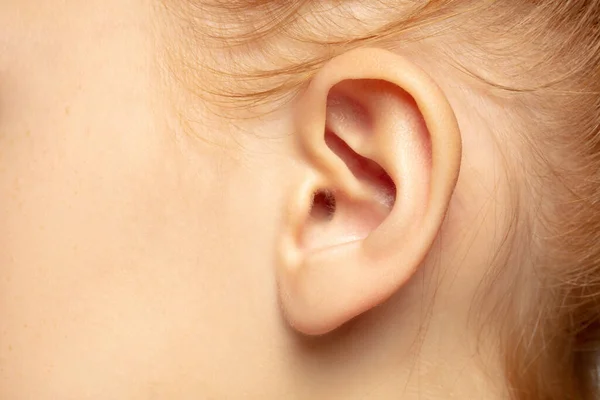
124, 268
72, 256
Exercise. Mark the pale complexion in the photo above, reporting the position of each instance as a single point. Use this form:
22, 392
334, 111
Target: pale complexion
138, 261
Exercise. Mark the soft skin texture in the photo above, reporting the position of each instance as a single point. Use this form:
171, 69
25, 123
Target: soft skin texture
138, 261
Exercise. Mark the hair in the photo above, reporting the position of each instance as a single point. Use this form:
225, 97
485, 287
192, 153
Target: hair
540, 56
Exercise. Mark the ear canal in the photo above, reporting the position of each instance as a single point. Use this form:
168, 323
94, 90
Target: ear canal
323, 206
381, 150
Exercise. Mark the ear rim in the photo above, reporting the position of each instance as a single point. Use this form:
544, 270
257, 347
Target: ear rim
301, 304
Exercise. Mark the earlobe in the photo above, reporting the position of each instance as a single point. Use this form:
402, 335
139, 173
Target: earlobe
382, 153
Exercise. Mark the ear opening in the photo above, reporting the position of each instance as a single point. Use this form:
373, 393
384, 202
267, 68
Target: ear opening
323, 205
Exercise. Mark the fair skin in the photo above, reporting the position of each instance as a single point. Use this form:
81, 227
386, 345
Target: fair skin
138, 261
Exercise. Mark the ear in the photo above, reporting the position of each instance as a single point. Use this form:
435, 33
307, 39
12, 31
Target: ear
382, 151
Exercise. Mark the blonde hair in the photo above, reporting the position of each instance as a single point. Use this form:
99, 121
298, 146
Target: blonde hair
541, 54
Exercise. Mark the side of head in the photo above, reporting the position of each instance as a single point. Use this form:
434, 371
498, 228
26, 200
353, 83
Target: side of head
515, 249
297, 200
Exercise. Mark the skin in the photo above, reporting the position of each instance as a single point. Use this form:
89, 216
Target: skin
138, 261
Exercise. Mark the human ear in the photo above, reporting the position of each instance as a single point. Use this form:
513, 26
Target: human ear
381, 150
